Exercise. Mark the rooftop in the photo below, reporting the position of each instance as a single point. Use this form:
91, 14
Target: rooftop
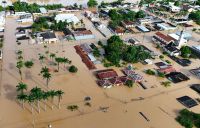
164, 37
48, 35
106, 74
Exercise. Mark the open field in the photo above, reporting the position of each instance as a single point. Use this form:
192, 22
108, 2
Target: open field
123, 104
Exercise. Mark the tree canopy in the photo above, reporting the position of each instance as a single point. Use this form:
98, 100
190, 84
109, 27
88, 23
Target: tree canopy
185, 51
195, 16
188, 119
116, 50
92, 3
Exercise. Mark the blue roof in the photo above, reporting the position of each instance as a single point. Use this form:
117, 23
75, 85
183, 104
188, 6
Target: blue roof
142, 28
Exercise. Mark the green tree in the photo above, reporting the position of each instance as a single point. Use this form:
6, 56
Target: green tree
41, 58
140, 14
92, 3
96, 52
47, 76
195, 16
19, 66
129, 83
59, 60
21, 87
72, 107
73, 69
185, 51
44, 70
31, 100
166, 83
52, 55
37, 94
177, 3
66, 61
22, 97
150, 72
161, 74
59, 93
28, 64
45, 96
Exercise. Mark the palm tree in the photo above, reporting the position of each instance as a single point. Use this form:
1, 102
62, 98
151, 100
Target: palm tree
31, 100
20, 57
41, 58
58, 60
21, 87
47, 76
52, 93
47, 52
59, 93
37, 94
22, 97
44, 70
45, 97
52, 55
28, 64
19, 52
65, 61
19, 65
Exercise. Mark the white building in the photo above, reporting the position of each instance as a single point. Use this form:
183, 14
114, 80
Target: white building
67, 17
174, 8
27, 17
46, 37
43, 10
180, 41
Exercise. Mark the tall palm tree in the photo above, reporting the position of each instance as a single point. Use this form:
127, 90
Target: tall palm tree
28, 64
52, 55
41, 58
19, 65
44, 70
31, 100
47, 76
19, 52
52, 93
22, 97
21, 87
37, 94
59, 60
65, 61
47, 52
45, 97
59, 93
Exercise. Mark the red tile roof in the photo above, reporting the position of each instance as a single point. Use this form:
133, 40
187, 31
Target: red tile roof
116, 81
164, 37
84, 57
106, 74
80, 33
127, 22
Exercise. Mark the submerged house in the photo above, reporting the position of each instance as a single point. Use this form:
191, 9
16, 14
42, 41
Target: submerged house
46, 37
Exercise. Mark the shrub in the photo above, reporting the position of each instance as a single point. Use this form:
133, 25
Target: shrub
88, 104
166, 83
150, 72
72, 107
161, 57
73, 69
168, 61
160, 74
28, 64
129, 83
100, 43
